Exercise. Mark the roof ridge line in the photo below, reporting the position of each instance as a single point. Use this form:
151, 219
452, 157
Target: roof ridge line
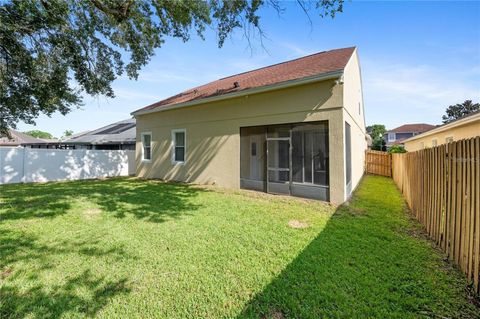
279, 63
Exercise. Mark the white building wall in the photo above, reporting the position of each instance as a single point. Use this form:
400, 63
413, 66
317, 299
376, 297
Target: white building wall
354, 114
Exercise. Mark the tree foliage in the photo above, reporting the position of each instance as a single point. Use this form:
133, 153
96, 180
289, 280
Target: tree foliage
454, 112
39, 134
53, 51
379, 144
397, 149
67, 133
376, 132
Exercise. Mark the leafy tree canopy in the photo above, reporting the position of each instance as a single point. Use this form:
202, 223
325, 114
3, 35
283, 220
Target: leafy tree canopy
53, 51
67, 133
457, 111
379, 144
39, 134
376, 130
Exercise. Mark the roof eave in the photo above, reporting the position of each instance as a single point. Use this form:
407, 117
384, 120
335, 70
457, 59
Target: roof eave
312, 79
442, 128
100, 143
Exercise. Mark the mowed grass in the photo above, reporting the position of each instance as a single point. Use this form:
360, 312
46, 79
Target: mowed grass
121, 248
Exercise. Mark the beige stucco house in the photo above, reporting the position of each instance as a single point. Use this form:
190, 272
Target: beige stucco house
463, 128
294, 128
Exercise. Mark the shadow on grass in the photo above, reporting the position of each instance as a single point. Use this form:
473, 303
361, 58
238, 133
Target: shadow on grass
60, 299
54, 300
26, 262
17, 246
364, 265
150, 200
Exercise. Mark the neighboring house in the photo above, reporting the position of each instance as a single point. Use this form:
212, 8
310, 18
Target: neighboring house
465, 127
20, 139
43, 143
295, 128
398, 135
116, 136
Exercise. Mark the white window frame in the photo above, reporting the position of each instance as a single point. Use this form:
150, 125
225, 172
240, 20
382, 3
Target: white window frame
449, 139
142, 139
434, 142
390, 139
174, 131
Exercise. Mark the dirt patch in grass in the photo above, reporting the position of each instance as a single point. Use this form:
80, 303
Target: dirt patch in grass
5, 273
416, 232
415, 229
274, 314
297, 224
92, 212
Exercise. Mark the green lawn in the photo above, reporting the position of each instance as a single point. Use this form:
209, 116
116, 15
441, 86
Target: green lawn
124, 247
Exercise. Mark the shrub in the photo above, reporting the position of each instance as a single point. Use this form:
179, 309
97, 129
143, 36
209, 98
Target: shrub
397, 149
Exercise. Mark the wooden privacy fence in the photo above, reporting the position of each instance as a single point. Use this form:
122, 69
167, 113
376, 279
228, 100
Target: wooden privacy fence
441, 185
378, 163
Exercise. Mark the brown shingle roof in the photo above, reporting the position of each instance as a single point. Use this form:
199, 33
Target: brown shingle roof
315, 64
18, 138
409, 128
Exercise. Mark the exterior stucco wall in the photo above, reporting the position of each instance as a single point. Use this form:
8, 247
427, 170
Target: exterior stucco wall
467, 130
354, 114
213, 133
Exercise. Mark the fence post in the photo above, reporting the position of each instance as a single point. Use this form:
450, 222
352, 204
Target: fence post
22, 180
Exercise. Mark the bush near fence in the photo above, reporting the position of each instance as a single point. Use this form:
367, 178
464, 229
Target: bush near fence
441, 185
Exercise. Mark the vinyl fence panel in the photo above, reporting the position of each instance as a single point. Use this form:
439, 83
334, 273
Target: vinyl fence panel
26, 165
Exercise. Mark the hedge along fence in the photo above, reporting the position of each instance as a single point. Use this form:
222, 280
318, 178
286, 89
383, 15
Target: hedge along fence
441, 185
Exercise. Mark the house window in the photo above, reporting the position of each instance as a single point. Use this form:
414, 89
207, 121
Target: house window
434, 142
449, 139
179, 145
422, 145
391, 137
146, 146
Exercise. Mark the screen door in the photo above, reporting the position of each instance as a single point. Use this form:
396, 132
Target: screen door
278, 165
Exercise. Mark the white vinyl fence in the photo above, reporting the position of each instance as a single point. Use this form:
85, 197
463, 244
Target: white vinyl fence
27, 165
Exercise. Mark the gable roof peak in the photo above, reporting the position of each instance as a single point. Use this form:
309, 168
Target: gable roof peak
307, 67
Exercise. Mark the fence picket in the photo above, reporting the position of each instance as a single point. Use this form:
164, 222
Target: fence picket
441, 185
378, 163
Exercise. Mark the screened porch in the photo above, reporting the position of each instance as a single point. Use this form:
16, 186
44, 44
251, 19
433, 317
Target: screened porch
289, 159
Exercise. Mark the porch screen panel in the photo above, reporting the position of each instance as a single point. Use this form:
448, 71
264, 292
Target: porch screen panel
279, 131
320, 157
310, 154
252, 153
297, 156
278, 160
